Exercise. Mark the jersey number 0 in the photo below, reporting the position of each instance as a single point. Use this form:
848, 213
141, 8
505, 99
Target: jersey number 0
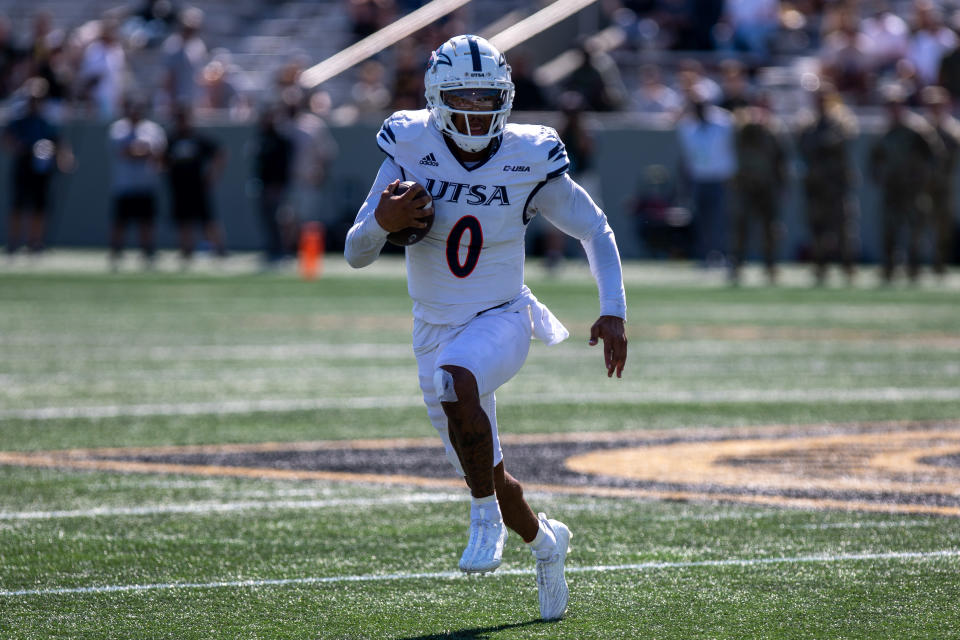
464, 224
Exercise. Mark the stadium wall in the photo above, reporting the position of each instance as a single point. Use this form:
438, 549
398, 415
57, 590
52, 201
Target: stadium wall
80, 206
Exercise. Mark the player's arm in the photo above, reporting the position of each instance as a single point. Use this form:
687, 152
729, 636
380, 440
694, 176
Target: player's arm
382, 213
568, 207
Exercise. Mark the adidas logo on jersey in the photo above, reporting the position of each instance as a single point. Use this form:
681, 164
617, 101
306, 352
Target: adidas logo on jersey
429, 160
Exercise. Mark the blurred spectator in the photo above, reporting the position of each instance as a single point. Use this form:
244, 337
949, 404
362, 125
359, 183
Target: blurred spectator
671, 27
56, 69
8, 57
102, 72
44, 57
314, 149
905, 76
580, 147
288, 74
369, 95
758, 184
369, 16
528, 94
902, 163
408, 76
184, 57
272, 167
943, 186
597, 80
692, 79
929, 42
825, 144
753, 24
734, 85
216, 90
151, 21
136, 146
652, 95
163, 10
708, 162
702, 19
844, 54
37, 47
948, 74
194, 162
38, 151
887, 37
664, 226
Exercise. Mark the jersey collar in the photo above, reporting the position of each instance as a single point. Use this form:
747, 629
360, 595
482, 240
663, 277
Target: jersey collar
491, 151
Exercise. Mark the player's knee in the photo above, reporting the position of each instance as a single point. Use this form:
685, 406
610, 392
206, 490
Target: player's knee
445, 385
455, 384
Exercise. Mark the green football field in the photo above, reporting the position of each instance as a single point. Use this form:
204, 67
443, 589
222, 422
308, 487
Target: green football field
223, 453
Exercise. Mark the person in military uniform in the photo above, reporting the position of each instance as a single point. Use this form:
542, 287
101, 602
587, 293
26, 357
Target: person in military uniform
942, 189
758, 184
903, 162
824, 147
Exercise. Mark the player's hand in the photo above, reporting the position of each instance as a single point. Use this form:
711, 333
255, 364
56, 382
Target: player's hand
611, 330
394, 213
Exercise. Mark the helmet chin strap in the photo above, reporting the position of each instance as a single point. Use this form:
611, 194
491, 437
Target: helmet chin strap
471, 144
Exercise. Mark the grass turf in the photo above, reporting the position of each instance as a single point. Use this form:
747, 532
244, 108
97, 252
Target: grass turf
183, 358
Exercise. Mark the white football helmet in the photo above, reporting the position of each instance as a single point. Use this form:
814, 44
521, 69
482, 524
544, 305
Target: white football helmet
473, 69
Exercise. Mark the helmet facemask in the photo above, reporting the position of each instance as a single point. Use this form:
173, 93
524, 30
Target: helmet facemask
473, 117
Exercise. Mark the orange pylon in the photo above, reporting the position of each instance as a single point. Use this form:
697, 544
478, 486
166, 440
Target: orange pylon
311, 250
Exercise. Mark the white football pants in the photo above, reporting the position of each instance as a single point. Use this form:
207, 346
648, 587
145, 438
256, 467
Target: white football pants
493, 346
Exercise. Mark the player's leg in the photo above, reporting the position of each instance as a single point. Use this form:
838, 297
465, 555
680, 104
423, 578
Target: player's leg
471, 434
469, 427
481, 356
487, 532
146, 212
548, 540
118, 229
211, 228
517, 514
891, 224
13, 230
38, 219
185, 235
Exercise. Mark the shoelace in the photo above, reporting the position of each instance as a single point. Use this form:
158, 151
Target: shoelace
542, 569
475, 528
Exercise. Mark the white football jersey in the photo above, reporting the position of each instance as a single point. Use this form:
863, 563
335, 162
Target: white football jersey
472, 258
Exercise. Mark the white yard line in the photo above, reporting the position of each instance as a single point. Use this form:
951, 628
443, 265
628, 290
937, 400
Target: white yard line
691, 347
449, 575
672, 396
220, 507
867, 525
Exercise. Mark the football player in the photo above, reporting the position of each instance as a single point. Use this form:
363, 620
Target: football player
484, 180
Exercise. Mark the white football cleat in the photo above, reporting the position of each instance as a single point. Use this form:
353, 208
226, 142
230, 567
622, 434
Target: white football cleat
484, 551
551, 583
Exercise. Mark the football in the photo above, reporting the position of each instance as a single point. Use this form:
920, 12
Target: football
410, 235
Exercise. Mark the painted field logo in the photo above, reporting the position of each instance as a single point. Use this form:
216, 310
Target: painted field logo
893, 467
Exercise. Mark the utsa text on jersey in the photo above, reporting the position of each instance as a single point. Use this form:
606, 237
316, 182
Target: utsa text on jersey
476, 193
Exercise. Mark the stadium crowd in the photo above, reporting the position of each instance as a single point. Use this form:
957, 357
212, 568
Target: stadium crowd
708, 68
